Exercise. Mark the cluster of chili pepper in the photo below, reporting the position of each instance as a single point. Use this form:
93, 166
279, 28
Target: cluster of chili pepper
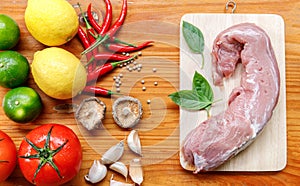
104, 35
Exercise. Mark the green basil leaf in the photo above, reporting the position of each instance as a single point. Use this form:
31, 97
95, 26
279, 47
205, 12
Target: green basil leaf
202, 87
189, 99
193, 37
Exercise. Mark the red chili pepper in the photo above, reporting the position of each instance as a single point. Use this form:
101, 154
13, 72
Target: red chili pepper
98, 91
91, 19
110, 57
119, 21
104, 69
112, 30
83, 38
85, 42
91, 34
121, 48
106, 21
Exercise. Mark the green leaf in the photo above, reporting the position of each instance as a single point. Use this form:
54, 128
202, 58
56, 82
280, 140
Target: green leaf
189, 99
193, 37
202, 87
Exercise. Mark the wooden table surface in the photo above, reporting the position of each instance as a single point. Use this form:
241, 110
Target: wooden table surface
165, 171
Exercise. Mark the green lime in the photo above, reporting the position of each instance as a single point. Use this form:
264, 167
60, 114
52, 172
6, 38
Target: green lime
14, 69
22, 104
9, 32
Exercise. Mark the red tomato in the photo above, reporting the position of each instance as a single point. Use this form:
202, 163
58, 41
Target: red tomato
8, 156
50, 155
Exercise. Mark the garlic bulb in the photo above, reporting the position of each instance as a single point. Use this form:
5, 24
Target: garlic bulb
97, 172
120, 168
134, 143
136, 171
113, 154
117, 183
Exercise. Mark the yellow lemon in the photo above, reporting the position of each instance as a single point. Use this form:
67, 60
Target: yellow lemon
58, 73
51, 22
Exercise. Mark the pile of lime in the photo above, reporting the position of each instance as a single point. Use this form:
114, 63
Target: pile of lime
21, 104
57, 72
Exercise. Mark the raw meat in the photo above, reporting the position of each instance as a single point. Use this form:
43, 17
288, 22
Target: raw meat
250, 105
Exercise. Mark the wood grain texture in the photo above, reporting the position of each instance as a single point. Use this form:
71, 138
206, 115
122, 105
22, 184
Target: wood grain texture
168, 171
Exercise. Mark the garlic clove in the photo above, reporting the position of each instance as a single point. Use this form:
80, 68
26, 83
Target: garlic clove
134, 143
97, 172
113, 154
120, 168
136, 171
117, 183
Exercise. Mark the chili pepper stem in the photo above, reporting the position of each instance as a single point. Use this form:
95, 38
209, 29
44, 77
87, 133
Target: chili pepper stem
123, 42
114, 93
98, 42
89, 62
114, 64
88, 26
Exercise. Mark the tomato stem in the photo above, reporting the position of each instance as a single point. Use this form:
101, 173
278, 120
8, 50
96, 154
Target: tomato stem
45, 154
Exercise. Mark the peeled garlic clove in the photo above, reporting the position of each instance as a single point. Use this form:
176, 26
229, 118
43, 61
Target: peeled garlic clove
117, 183
97, 172
134, 143
136, 171
113, 154
120, 168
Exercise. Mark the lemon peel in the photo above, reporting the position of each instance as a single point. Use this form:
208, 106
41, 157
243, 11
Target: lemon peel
58, 73
51, 22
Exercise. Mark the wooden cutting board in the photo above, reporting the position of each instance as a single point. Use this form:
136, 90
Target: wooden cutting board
269, 151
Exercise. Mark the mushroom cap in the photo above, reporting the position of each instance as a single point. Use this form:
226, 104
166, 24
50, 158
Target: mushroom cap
127, 111
90, 113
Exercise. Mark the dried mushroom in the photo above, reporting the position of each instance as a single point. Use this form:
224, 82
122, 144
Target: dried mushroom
90, 113
127, 111
65, 108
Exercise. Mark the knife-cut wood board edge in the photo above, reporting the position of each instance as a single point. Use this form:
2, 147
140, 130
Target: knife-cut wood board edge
269, 151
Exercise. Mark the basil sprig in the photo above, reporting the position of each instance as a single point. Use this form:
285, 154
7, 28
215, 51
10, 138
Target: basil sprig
200, 97
194, 38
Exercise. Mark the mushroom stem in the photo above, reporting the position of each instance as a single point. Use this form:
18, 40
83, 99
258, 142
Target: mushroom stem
126, 111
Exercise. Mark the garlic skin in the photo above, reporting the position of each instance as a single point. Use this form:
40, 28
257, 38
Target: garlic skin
113, 154
119, 167
136, 171
97, 172
117, 183
134, 143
